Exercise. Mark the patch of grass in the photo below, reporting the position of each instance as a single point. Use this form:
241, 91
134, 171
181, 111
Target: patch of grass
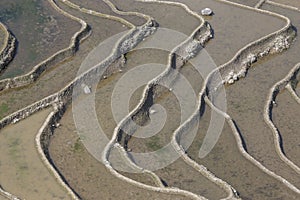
14, 144
3, 110
154, 143
78, 146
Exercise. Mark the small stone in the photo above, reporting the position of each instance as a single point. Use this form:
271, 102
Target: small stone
206, 12
235, 77
231, 74
15, 120
231, 81
87, 90
152, 111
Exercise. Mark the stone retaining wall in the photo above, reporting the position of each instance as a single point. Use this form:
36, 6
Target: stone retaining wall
260, 48
92, 12
274, 91
64, 96
8, 51
237, 64
7, 195
200, 35
42, 143
237, 136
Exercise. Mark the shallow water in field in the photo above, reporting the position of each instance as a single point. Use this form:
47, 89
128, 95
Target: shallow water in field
40, 31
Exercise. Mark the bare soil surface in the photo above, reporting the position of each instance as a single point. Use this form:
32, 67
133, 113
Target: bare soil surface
102, 7
86, 175
222, 29
21, 170
246, 101
106, 88
37, 25
2, 38
227, 163
167, 16
229, 24
294, 3
285, 117
250, 3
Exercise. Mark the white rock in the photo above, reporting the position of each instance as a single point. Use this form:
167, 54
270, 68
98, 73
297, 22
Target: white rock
206, 12
86, 89
152, 111
252, 58
231, 81
15, 120
235, 77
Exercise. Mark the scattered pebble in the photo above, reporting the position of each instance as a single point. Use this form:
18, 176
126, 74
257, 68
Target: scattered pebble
206, 12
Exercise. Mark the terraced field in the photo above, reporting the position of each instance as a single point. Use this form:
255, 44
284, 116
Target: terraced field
133, 99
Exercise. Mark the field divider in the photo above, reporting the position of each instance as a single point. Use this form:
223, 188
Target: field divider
274, 91
62, 98
202, 34
8, 51
8, 195
42, 140
127, 13
293, 93
149, 19
275, 42
58, 57
98, 14
259, 4
237, 135
268, 45
282, 5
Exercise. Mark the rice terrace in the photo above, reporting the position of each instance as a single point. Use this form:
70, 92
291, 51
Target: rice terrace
149, 99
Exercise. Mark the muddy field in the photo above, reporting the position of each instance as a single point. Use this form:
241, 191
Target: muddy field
285, 118
2, 38
21, 171
36, 25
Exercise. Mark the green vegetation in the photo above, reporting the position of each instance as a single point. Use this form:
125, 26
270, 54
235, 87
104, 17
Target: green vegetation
78, 146
3, 110
15, 152
154, 143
